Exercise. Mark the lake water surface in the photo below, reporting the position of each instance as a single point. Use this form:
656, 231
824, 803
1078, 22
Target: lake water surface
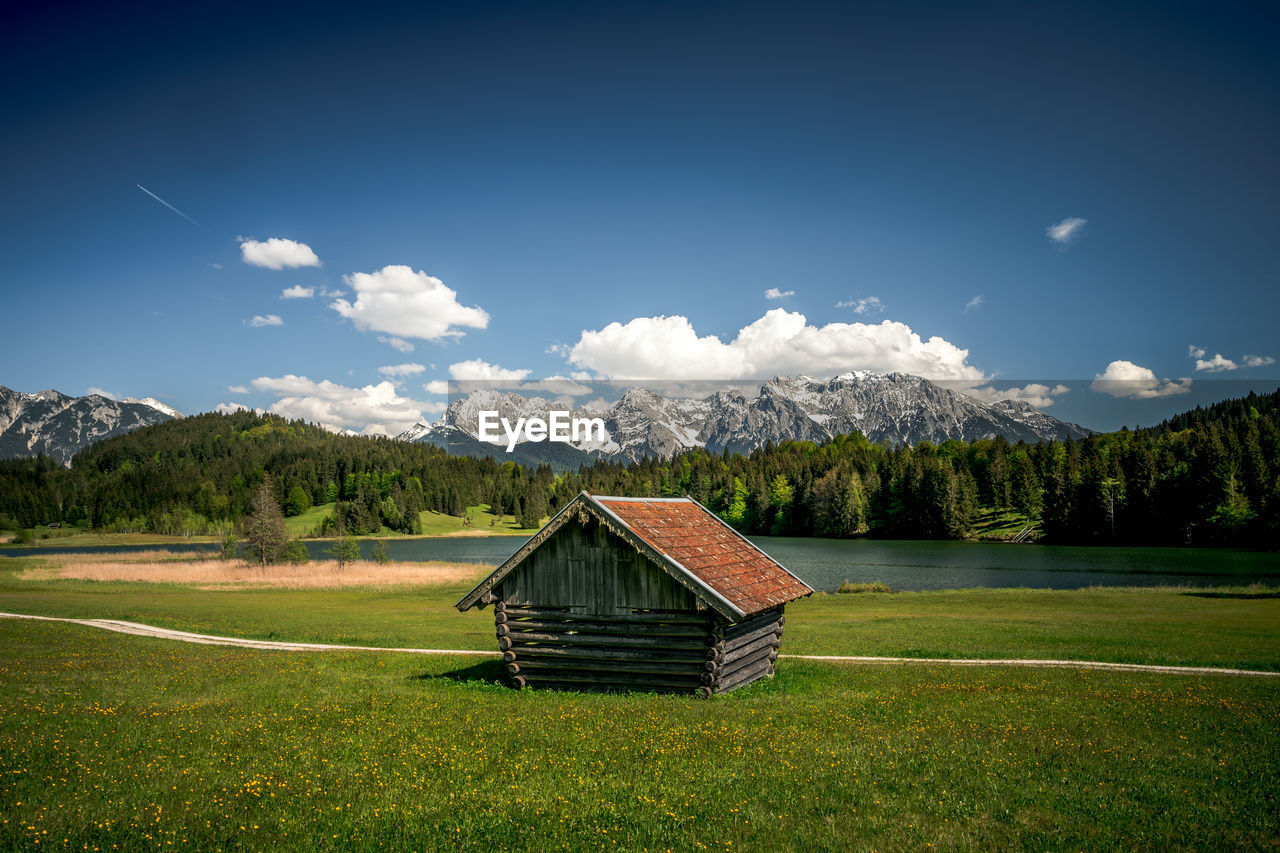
903, 564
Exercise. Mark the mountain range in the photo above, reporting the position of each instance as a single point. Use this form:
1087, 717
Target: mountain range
59, 426
897, 408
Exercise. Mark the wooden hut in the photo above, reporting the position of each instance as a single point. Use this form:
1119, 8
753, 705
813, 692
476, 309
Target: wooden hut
638, 594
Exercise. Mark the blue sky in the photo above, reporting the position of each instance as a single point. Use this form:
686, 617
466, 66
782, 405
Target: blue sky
618, 189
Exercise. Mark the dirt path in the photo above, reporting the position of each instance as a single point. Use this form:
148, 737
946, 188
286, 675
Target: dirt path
138, 629
141, 630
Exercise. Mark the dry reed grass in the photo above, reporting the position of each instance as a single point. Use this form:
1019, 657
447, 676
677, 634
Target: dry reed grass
209, 572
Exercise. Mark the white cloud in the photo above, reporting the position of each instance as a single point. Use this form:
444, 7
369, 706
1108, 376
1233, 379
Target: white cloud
407, 304
237, 389
870, 305
780, 342
974, 303
775, 293
1038, 395
216, 266
91, 390
1217, 364
1126, 379
1065, 231
436, 386
396, 343
478, 369
259, 321
402, 369
277, 253
1220, 363
230, 408
372, 410
297, 292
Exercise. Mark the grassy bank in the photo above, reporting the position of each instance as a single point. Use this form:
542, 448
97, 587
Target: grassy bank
125, 743
1228, 627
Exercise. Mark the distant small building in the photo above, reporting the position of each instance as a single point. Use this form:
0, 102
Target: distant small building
638, 594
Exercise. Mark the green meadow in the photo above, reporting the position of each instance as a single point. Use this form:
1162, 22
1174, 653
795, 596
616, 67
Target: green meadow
116, 742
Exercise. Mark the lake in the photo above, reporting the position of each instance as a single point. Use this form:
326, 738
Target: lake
903, 564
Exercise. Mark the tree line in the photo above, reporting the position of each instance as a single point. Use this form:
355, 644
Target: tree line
196, 474
1209, 476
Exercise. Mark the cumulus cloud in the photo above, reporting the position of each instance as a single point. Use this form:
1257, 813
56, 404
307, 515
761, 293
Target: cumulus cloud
780, 342
402, 369
1065, 231
1126, 379
237, 389
407, 304
277, 253
482, 370
436, 386
371, 410
230, 408
1036, 394
101, 392
396, 343
775, 293
259, 321
1217, 364
974, 303
870, 305
297, 292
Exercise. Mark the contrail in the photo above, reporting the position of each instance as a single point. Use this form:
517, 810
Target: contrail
171, 207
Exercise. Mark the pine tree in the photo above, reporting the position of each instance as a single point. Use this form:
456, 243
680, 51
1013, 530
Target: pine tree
264, 535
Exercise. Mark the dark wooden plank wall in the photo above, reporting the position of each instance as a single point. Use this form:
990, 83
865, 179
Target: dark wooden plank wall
591, 571
678, 652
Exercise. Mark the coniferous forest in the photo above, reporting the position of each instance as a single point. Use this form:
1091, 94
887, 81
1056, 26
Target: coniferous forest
1207, 477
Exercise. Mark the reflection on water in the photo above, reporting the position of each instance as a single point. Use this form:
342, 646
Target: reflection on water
903, 564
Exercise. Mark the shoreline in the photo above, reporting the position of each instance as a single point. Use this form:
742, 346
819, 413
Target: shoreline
156, 540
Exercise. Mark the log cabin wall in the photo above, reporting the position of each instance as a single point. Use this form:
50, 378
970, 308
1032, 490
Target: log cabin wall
587, 569
662, 651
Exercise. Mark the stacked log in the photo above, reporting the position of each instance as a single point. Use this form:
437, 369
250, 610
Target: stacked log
745, 650
659, 651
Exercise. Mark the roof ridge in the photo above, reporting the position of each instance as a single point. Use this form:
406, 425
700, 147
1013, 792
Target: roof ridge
622, 499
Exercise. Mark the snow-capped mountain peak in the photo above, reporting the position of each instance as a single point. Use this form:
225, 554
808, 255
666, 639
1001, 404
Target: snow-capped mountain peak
895, 407
155, 404
56, 425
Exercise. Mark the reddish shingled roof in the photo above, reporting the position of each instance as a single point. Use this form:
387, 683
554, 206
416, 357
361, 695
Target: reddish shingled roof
689, 535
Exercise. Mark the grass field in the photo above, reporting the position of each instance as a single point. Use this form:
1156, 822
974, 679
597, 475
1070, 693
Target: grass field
304, 524
995, 525
482, 521
128, 743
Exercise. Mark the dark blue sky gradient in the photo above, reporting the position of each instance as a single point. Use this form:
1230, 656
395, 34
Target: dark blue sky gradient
565, 166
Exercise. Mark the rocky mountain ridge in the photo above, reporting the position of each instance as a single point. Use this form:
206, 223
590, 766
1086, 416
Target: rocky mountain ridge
896, 407
60, 426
